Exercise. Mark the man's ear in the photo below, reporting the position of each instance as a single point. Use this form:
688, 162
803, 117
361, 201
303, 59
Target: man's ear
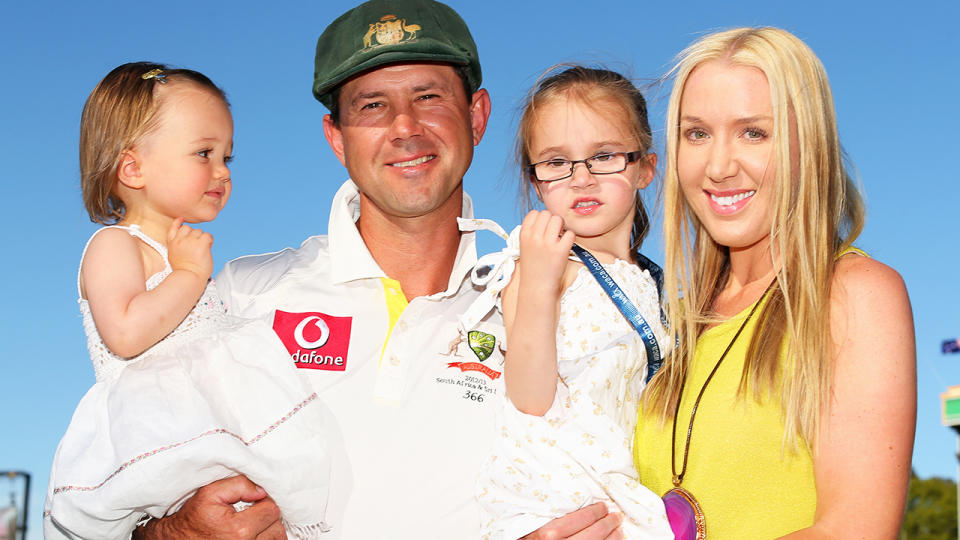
479, 113
334, 137
128, 171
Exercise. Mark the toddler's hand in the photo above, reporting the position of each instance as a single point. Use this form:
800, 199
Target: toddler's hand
544, 248
189, 249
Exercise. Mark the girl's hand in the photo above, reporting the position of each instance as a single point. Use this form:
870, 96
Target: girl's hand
544, 248
189, 249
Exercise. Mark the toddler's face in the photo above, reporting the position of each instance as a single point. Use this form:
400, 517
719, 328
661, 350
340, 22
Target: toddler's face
183, 160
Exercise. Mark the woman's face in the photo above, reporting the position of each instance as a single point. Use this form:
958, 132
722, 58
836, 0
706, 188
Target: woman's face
725, 153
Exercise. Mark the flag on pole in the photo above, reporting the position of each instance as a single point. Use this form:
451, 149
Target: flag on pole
950, 346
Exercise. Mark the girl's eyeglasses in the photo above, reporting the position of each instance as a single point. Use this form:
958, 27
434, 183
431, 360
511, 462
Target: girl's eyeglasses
552, 170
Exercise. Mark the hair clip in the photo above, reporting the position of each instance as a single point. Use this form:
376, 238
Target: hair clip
157, 74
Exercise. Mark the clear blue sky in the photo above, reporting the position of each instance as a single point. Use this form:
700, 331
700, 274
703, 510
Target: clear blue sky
892, 65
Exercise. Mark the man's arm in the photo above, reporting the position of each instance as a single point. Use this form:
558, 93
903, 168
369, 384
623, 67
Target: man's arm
210, 514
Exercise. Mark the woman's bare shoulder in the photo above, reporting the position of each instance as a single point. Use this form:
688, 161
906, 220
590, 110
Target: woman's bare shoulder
859, 278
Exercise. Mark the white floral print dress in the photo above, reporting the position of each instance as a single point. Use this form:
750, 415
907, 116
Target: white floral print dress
579, 452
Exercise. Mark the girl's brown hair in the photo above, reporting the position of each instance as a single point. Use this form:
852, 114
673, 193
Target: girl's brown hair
120, 110
590, 86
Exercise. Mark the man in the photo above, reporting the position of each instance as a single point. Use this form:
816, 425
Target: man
370, 311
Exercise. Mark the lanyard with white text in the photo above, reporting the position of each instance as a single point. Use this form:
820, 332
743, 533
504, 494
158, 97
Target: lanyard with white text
626, 307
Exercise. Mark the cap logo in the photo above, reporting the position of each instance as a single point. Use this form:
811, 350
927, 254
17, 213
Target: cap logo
389, 31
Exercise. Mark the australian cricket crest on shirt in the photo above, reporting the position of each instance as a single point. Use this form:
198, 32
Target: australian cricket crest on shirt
482, 345
471, 367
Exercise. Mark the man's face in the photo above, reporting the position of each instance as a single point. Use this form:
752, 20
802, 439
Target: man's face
406, 136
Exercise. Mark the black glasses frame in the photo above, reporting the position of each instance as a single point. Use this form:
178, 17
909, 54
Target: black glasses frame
630, 158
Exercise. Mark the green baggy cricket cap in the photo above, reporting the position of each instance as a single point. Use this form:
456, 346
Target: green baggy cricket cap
391, 31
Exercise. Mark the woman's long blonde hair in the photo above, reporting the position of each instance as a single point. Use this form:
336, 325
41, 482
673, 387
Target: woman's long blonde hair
817, 213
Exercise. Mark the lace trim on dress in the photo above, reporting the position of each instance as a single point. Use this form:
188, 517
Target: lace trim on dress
217, 431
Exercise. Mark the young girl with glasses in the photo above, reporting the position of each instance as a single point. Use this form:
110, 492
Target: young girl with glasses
575, 365
185, 394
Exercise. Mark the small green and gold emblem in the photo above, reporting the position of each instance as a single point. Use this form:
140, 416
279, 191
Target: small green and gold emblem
481, 343
389, 30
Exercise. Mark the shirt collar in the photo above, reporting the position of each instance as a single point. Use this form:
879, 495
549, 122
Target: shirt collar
351, 260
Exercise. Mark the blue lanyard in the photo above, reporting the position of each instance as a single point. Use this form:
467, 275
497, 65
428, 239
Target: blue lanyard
626, 307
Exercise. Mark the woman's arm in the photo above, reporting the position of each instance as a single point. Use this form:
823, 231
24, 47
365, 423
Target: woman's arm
128, 317
530, 305
862, 460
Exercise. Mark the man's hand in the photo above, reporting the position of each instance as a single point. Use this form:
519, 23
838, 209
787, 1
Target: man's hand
592, 522
209, 514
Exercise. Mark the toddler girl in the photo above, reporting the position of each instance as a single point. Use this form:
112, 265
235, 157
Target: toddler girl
575, 365
185, 395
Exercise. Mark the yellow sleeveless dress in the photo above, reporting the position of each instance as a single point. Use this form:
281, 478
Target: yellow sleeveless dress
749, 486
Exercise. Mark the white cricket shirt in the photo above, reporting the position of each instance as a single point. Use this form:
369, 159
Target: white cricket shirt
409, 397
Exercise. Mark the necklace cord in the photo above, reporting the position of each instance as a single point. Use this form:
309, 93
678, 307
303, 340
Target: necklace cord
678, 478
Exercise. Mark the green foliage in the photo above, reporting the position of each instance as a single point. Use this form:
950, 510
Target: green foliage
931, 509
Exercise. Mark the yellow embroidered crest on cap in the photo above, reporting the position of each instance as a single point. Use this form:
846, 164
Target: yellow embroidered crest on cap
379, 32
389, 31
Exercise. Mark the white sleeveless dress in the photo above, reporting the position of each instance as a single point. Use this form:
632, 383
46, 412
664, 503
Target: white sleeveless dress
580, 451
219, 396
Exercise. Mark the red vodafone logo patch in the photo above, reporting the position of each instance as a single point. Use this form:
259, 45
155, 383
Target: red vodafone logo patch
314, 340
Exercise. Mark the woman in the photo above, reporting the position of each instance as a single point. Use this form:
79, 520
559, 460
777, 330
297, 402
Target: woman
789, 408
